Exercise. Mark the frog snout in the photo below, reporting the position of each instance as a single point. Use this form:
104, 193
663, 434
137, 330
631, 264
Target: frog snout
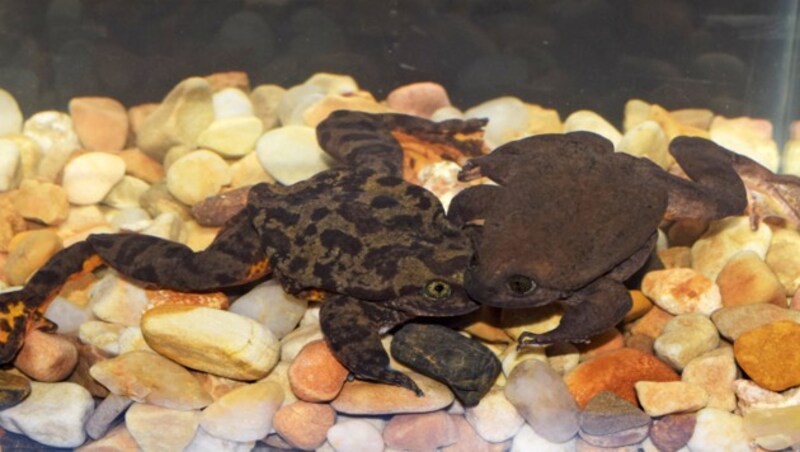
498, 289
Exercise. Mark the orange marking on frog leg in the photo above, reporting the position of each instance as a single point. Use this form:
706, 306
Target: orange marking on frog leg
257, 270
313, 295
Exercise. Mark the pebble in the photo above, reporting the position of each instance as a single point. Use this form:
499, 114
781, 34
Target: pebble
355, 435
528, 440
10, 113
783, 258
508, 119
589, 121
610, 421
217, 386
746, 278
682, 291
676, 257
13, 389
180, 118
672, 431
56, 137
418, 99
162, 297
551, 409
138, 113
183, 180
769, 354
158, 428
105, 414
543, 120
725, 238
266, 99
243, 414
670, 397
231, 102
296, 100
367, 398
714, 371
211, 340
774, 429
684, 338
270, 306
53, 414
150, 378
734, 321
133, 219
333, 83
27, 252
463, 364
747, 136
231, 79
316, 375
89, 177
322, 108
536, 320
562, 357
652, 323
420, 431
616, 371
119, 438
42, 202
248, 171
291, 154
641, 306
648, 140
101, 334
126, 193
304, 425
140, 165
10, 165
716, 429
100, 122
495, 419
216, 210
88, 356
608, 340
168, 226
292, 343
232, 137
206, 442
46, 357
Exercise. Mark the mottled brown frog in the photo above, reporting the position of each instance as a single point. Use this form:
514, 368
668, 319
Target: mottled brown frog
571, 220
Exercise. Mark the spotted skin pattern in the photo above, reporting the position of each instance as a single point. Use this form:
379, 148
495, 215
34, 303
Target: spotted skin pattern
377, 249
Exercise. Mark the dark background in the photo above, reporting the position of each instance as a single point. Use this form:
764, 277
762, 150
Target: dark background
735, 56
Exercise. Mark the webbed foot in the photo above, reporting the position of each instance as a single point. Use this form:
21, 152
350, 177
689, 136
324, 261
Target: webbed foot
587, 313
352, 329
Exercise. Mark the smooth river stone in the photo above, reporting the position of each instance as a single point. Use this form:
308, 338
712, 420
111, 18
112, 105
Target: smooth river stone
747, 279
715, 372
684, 338
245, 413
725, 238
13, 389
367, 398
10, 114
231, 137
197, 175
100, 122
268, 304
55, 135
465, 365
315, 375
734, 321
304, 425
89, 177
589, 121
669, 397
147, 377
42, 202
46, 357
682, 291
157, 428
211, 340
775, 428
770, 356
716, 429
783, 258
495, 418
10, 165
291, 154
355, 434
231, 102
550, 409
420, 431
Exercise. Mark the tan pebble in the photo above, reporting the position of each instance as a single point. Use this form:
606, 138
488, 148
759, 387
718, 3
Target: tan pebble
585, 120
640, 342
355, 434
751, 137
10, 165
635, 112
231, 79
138, 113
42, 201
88, 355
483, 324
125, 194
54, 133
180, 118
304, 425
725, 238
198, 237
118, 300
196, 176
46, 357
245, 413
676, 257
11, 222
647, 140
418, 99
30, 154
158, 428
682, 291
89, 177
266, 99
217, 386
100, 122
714, 371
161, 297
28, 251
231, 137
746, 278
660, 398
770, 356
119, 438
360, 101
683, 233
468, 440
10, 113
420, 431
315, 374
248, 171
292, 343
671, 126
716, 429
694, 117
543, 120
362, 397
783, 258
734, 321
142, 166
774, 429
535, 320
652, 323
684, 338
81, 219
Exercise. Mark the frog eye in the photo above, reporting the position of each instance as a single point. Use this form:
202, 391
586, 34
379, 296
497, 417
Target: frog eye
520, 284
437, 289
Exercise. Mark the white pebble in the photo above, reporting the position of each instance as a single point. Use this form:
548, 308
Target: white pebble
269, 305
231, 103
89, 177
126, 193
197, 175
232, 137
589, 121
296, 101
206, 442
494, 418
10, 165
159, 428
355, 435
56, 137
131, 219
528, 440
67, 315
717, 429
10, 114
118, 301
102, 335
291, 154
168, 226
508, 119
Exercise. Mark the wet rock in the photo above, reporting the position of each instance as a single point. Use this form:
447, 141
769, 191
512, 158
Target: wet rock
211, 340
774, 429
140, 165
669, 397
291, 154
46, 357
55, 135
418, 99
672, 431
465, 365
770, 356
361, 397
105, 414
304, 425
28, 251
13, 389
316, 375
245, 413
420, 431
617, 372
196, 176
41, 201
53, 414
158, 428
607, 414
150, 378
734, 321
684, 338
100, 122
355, 434
725, 238
747, 279
783, 258
682, 291
551, 410
718, 430
269, 305
715, 372
495, 418
589, 121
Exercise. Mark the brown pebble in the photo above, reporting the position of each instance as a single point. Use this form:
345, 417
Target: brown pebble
140, 165
28, 251
231, 79
606, 341
218, 209
676, 257
316, 375
770, 356
652, 322
420, 431
419, 99
46, 357
640, 342
100, 122
672, 432
304, 425
468, 440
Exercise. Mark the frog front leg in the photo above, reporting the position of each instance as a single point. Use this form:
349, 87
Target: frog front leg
353, 328
473, 203
588, 312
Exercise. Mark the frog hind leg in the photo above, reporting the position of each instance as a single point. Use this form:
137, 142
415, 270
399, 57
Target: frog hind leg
235, 257
352, 329
596, 308
717, 190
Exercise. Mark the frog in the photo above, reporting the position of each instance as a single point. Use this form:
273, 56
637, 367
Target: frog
568, 220
375, 249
